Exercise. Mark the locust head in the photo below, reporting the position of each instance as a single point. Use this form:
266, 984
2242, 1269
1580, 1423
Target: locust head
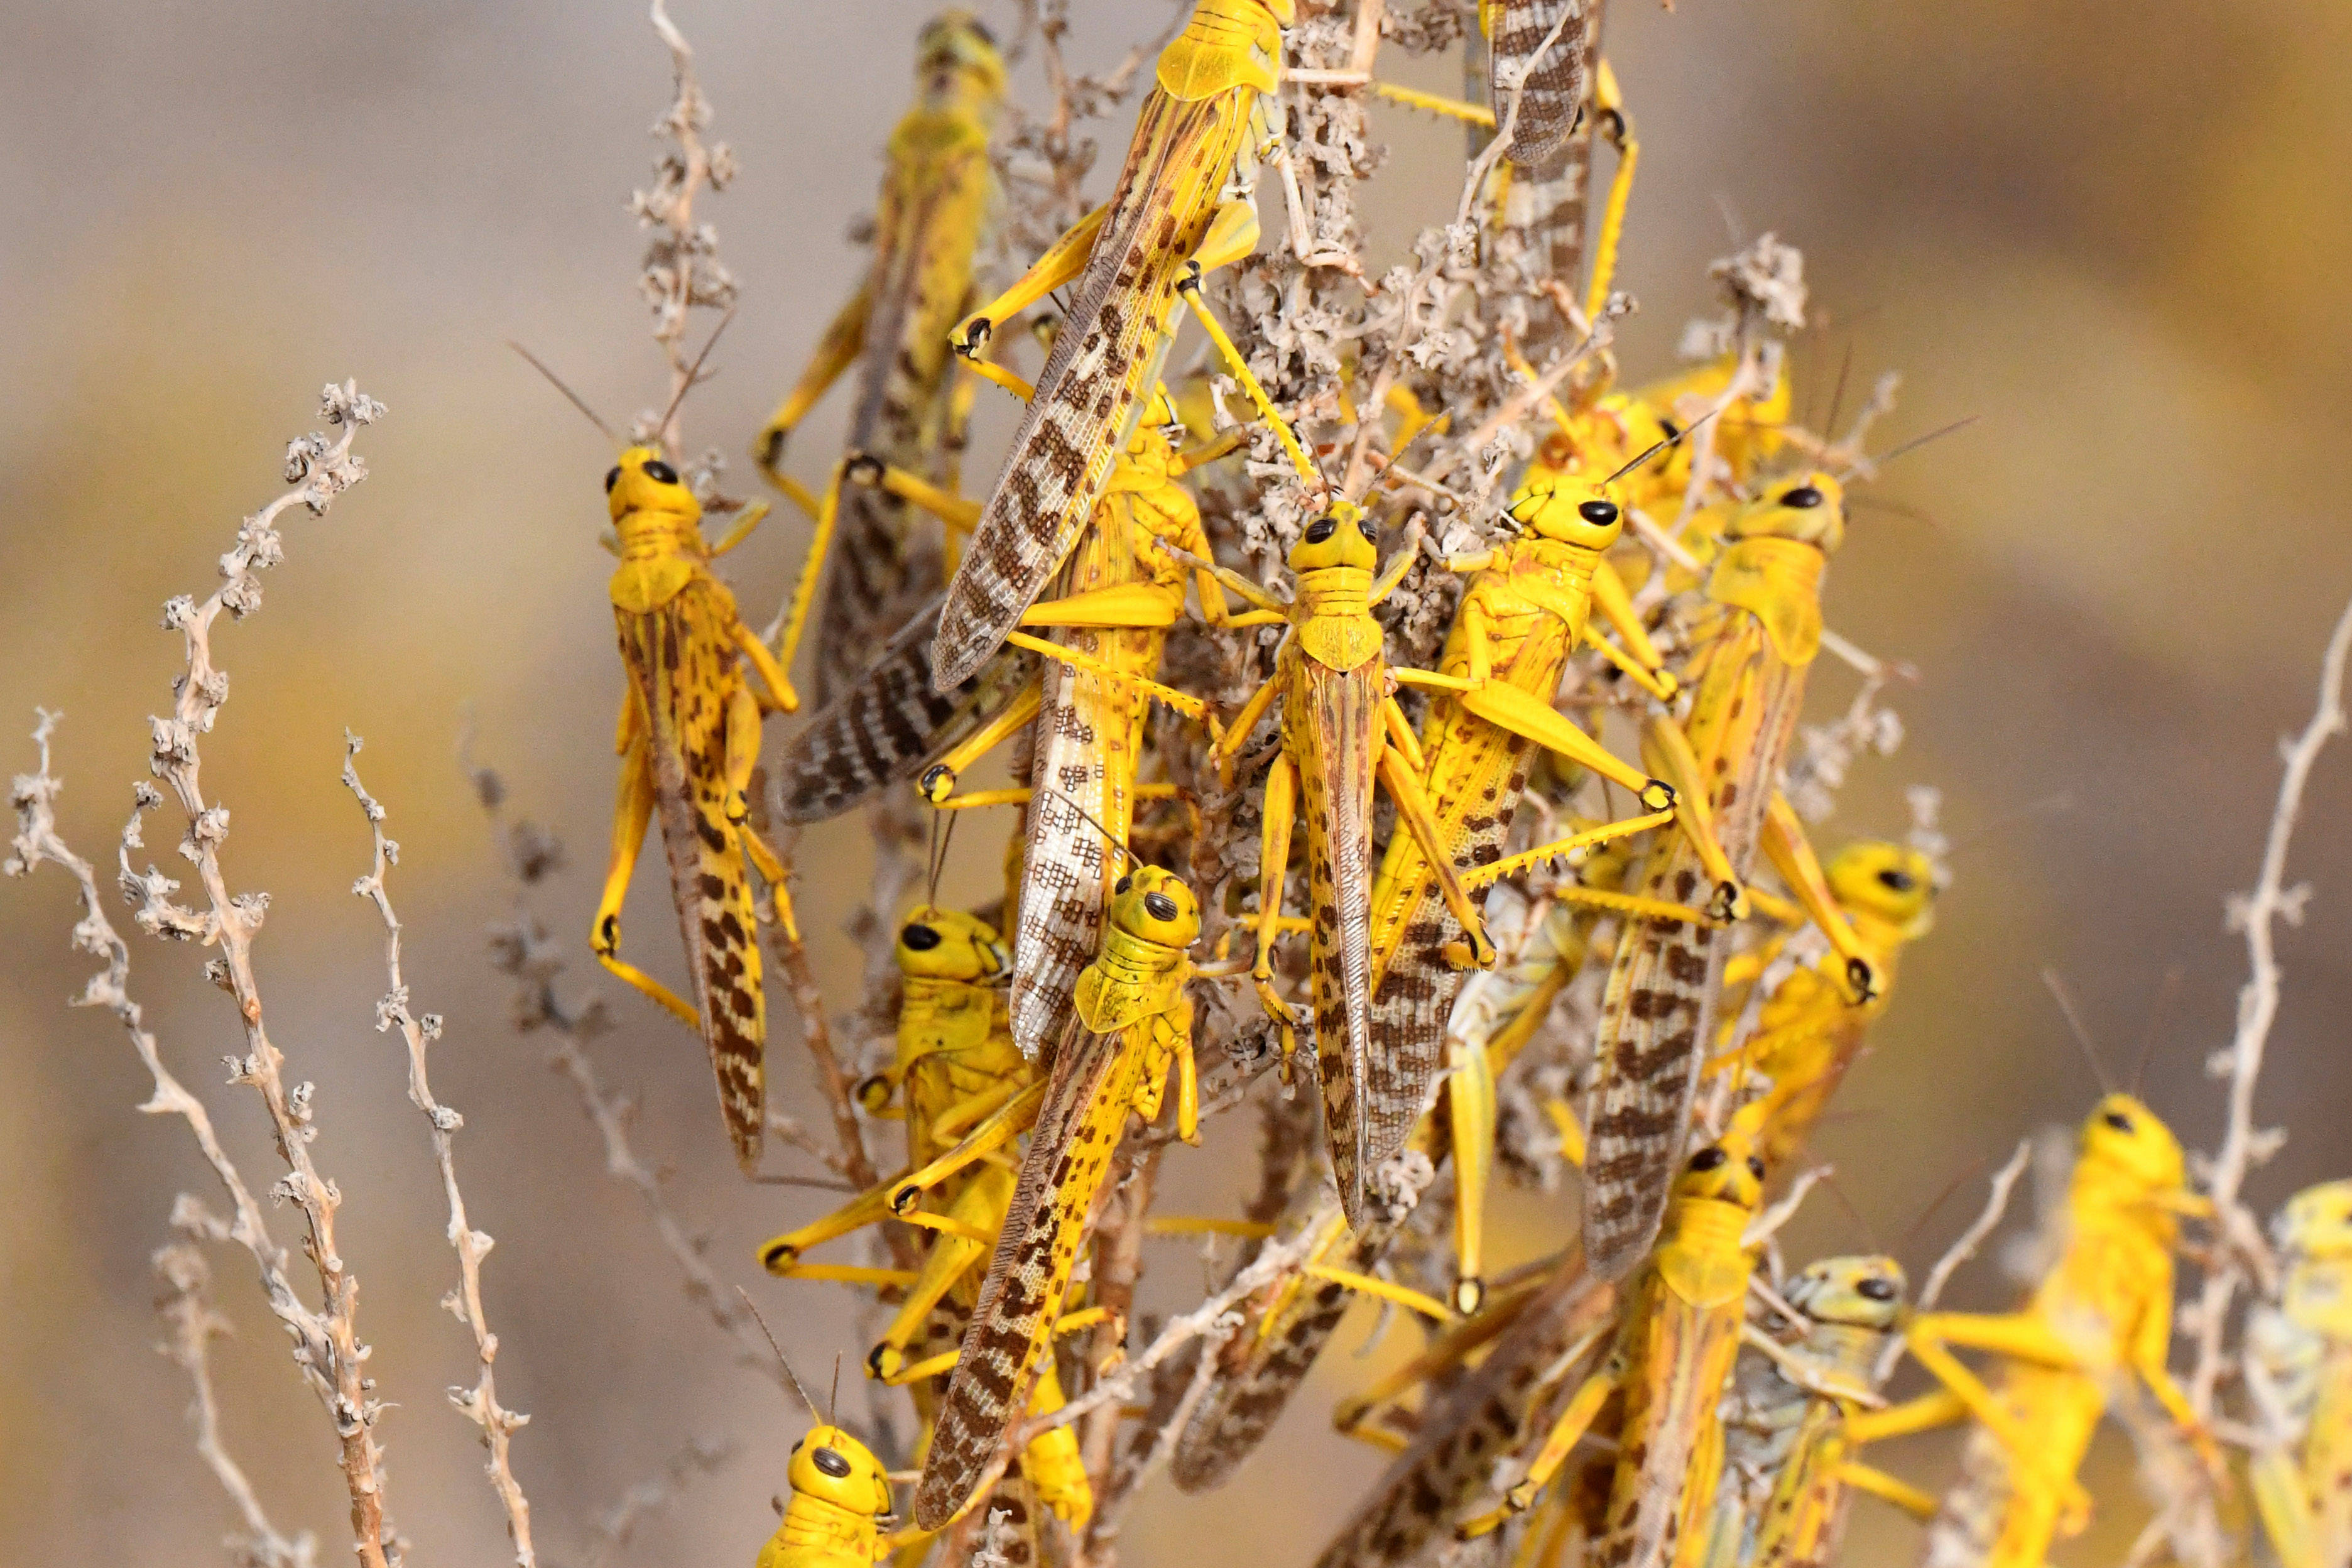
1343, 536
1729, 1170
1569, 510
2316, 1223
2127, 1151
833, 1467
957, 64
643, 481
947, 944
1865, 1292
1807, 507
1886, 881
1155, 905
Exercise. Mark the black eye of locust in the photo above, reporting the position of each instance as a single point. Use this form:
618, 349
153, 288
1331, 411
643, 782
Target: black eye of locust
1754, 1167
1707, 1159
921, 938
661, 473
1876, 1290
1901, 881
1123, 884
1160, 906
612, 479
832, 1464
2119, 1121
1321, 528
1599, 513
1804, 498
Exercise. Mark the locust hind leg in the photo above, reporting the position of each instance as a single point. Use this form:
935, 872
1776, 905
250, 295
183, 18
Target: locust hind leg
1274, 860
980, 1208
1412, 811
631, 810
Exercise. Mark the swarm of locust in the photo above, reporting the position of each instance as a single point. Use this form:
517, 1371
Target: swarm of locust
1510, 947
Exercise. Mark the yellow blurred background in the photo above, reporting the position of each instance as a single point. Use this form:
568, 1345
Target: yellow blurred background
2115, 232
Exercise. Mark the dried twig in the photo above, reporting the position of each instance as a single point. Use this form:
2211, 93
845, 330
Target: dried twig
193, 1325
682, 268
647, 1498
2256, 915
478, 1403
326, 1347
1962, 1248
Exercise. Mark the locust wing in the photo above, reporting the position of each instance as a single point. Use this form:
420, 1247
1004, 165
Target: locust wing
1098, 374
682, 663
1077, 1130
1548, 130
883, 728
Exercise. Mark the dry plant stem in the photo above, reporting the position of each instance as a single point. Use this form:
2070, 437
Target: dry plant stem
193, 1325
681, 267
326, 1341
2256, 915
808, 1005
1768, 1225
647, 1498
478, 1403
2004, 1181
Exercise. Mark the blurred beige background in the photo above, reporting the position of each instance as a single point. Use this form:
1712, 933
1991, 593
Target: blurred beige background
2116, 232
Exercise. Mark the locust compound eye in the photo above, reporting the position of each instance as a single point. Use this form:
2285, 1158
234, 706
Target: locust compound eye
1804, 498
981, 33
2118, 1121
1898, 880
1321, 528
1160, 906
1123, 884
1876, 1290
1673, 431
612, 479
831, 1463
661, 473
1709, 1159
1754, 1167
918, 937
1364, 526
1599, 513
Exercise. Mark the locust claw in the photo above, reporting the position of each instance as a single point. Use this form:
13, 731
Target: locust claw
937, 783
1657, 796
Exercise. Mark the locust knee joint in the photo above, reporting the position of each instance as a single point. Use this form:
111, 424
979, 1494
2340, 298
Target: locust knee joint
862, 468
974, 336
937, 783
1657, 796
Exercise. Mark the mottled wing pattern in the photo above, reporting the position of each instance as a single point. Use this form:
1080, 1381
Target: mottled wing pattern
883, 729
685, 669
883, 566
1558, 85
1331, 726
1089, 742
1672, 1437
1659, 1009
1477, 773
1070, 1149
1101, 366
1498, 1409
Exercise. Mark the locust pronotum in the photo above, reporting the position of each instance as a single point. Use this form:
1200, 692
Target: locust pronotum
2103, 1311
2298, 1370
908, 410
1167, 219
688, 740
1658, 1014
1131, 1027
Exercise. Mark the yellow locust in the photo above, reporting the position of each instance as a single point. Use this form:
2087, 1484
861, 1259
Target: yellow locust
1677, 1338
1118, 593
958, 1073
1797, 1412
1809, 1031
1131, 1027
840, 1494
1525, 613
2298, 1367
1753, 649
935, 201
2102, 1313
1498, 1012
1169, 218
689, 736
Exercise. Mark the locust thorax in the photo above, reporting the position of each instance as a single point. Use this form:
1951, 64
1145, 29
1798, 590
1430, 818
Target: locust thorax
1147, 462
1888, 885
1225, 44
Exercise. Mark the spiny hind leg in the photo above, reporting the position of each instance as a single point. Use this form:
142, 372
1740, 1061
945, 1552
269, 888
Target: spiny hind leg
1470, 1111
981, 1205
1412, 810
1272, 865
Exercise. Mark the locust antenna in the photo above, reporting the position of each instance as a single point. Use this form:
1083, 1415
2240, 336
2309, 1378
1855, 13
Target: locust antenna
1837, 1191
2074, 1026
693, 375
1837, 397
1969, 1172
2164, 994
1878, 464
1098, 827
938, 856
767, 1333
832, 1400
1657, 446
576, 400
